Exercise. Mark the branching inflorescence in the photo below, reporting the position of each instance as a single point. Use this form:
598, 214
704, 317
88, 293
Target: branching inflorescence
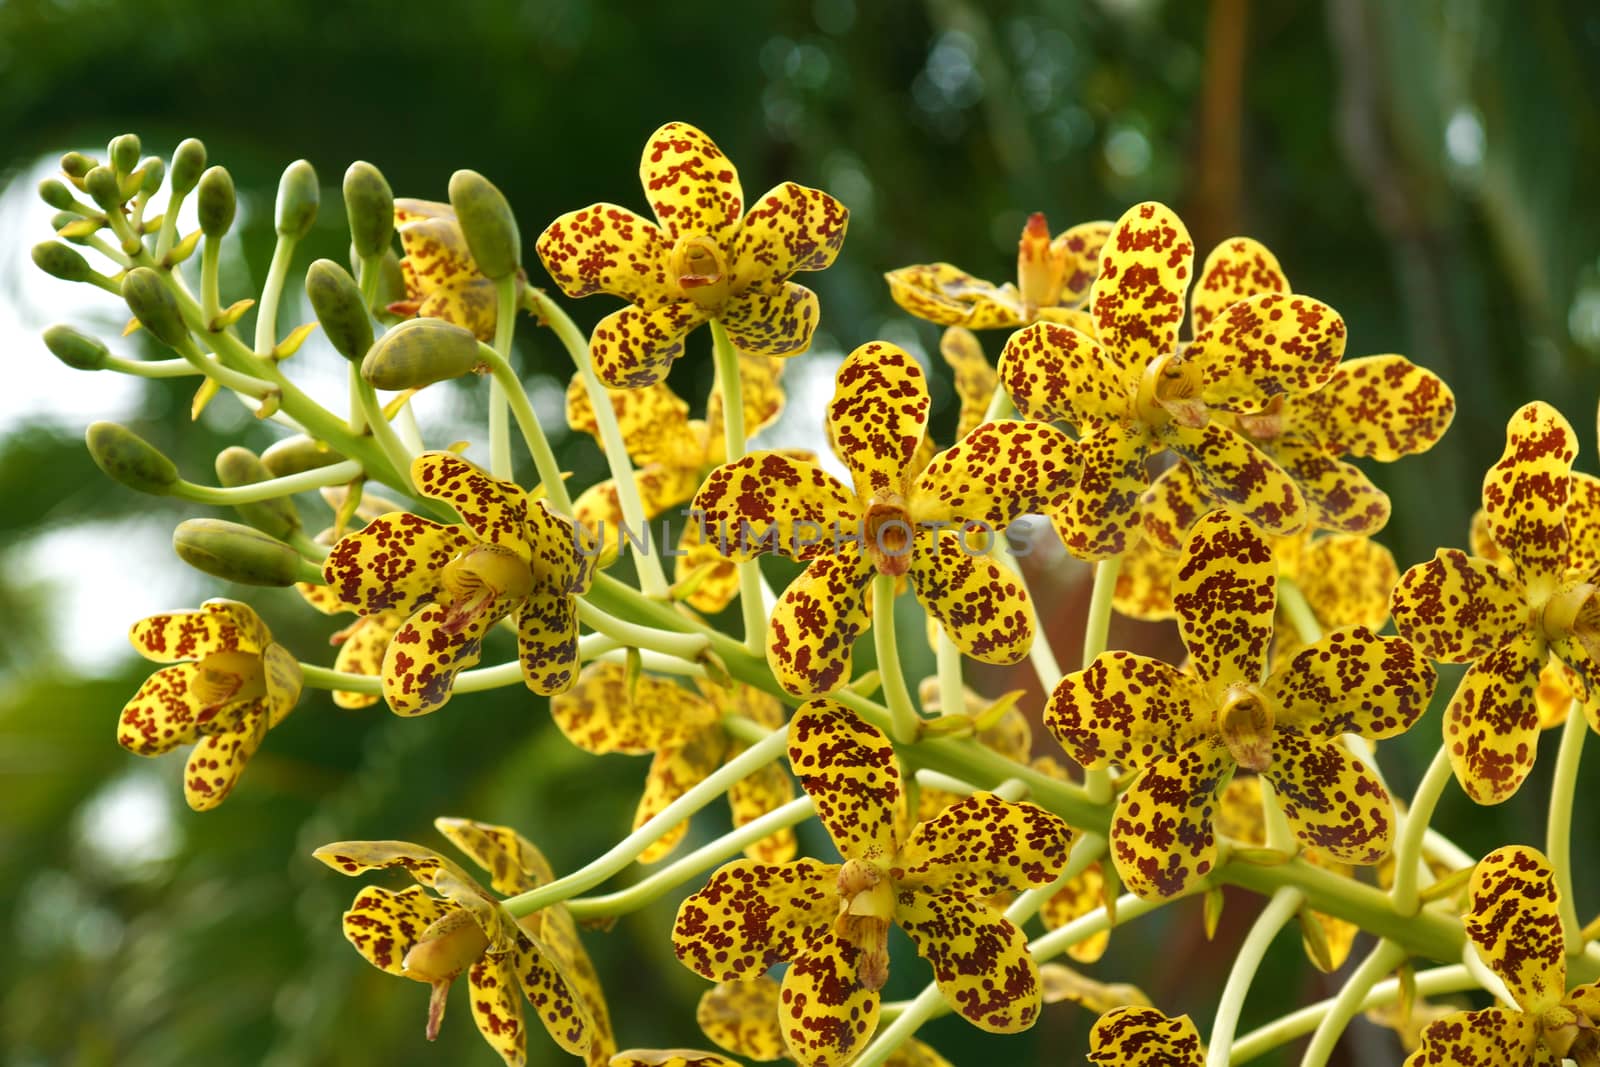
1203, 470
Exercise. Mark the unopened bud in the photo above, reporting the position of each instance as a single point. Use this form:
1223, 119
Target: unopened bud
369, 205
297, 199
56, 194
188, 161
487, 222
65, 263
77, 165
296, 455
102, 186
236, 553
215, 202
124, 153
337, 302
419, 352
153, 304
129, 459
276, 518
76, 349
151, 176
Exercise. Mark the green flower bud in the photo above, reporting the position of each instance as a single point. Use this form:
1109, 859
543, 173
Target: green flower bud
65, 263
101, 184
56, 194
151, 175
124, 153
188, 160
77, 165
236, 553
419, 352
215, 202
76, 349
297, 454
240, 466
297, 199
130, 460
487, 221
369, 205
339, 308
153, 304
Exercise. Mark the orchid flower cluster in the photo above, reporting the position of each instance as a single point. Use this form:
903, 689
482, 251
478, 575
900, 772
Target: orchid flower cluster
1204, 470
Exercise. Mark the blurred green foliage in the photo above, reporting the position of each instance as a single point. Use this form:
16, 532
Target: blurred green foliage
1423, 167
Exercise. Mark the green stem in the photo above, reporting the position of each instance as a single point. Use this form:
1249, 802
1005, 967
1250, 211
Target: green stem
272, 295
311, 550
1408, 861
628, 849
1096, 628
683, 646
1279, 910
272, 488
257, 389
377, 425
167, 234
499, 389
670, 877
751, 601
544, 460
1383, 959
652, 580
905, 723
1439, 980
952, 692
210, 281
156, 368
1558, 831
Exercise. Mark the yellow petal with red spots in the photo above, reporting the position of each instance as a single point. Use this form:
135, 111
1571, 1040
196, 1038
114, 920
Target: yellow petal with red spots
915, 1053
554, 997
163, 714
1492, 724
711, 579
283, 677
1583, 527
949, 296
1352, 682
771, 502
847, 766
216, 763
425, 655
1225, 594
816, 622
654, 422
1237, 269
219, 626
1128, 710
1144, 1037
604, 248
1525, 495
752, 915
975, 380
383, 925
1554, 694
1457, 608
826, 1013
1378, 407
997, 473
669, 1057
984, 846
1268, 345
471, 304
772, 324
547, 641
980, 959
1138, 299
633, 348
675, 770
321, 597
692, 187
1340, 497
1513, 920
790, 228
394, 563
1333, 802
361, 648
1079, 897
1144, 583
1161, 833
1493, 1037
514, 864
1079, 250
742, 1017
1240, 476
599, 715
878, 417
1057, 372
750, 798
980, 603
1172, 505
1347, 580
492, 509
1100, 518
496, 999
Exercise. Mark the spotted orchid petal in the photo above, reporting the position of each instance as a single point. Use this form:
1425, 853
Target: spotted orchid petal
878, 417
1144, 1037
752, 915
669, 1057
1138, 298
980, 603
772, 502
1491, 726
1457, 608
164, 713
1237, 269
1161, 833
554, 996
1513, 920
1338, 495
816, 622
496, 1000
653, 421
765, 791
442, 280
1225, 595
980, 959
495, 511
361, 648
393, 563
515, 864
1492, 1037
547, 641
1332, 801
1100, 518
1128, 710
692, 187
772, 324
216, 763
790, 228
948, 296
219, 626
1172, 505
1056, 372
1525, 494
1377, 407
1583, 527
675, 770
437, 643
826, 1013
1352, 682
604, 248
603, 713
762, 397
1268, 345
984, 846
974, 379
1347, 580
633, 348
1240, 476
383, 925
1144, 583
712, 580
847, 766
742, 1017
1077, 898
997, 473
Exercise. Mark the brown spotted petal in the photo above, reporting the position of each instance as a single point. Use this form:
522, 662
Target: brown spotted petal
633, 348
1514, 922
1055, 372
604, 248
692, 187
878, 417
827, 1014
1347, 580
980, 603
847, 766
984, 846
1378, 407
742, 1017
1100, 517
997, 473
1172, 505
1492, 723
752, 915
773, 502
493, 510
1128, 710
975, 379
1138, 298
1493, 1037
1525, 494
1143, 1037
383, 925
219, 626
673, 772
602, 715
1268, 345
394, 563
1339, 496
1333, 802
772, 324
669, 1057
514, 863
1237, 269
790, 228
816, 622
1241, 477
554, 995
1225, 595
1353, 682
1457, 608
949, 296
1162, 838
980, 959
